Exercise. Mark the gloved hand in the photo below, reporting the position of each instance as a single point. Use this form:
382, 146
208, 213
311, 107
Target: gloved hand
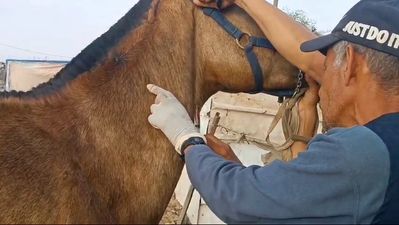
170, 116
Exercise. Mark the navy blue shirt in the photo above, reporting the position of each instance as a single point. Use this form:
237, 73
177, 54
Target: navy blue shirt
346, 176
387, 128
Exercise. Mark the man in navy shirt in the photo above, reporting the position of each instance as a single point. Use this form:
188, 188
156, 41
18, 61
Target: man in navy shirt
349, 174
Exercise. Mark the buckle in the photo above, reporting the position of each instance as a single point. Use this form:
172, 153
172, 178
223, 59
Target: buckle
240, 39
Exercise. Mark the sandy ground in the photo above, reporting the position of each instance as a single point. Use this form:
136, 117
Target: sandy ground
172, 212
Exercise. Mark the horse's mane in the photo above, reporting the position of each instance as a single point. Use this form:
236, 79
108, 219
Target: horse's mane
92, 55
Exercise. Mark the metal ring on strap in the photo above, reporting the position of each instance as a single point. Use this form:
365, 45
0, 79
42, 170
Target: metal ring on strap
238, 40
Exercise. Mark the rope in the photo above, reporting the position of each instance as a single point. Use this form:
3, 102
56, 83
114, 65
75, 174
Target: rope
288, 113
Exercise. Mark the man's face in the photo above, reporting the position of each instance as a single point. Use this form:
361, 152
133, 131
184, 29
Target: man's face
332, 92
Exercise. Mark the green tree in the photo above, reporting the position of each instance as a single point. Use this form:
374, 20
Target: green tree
301, 17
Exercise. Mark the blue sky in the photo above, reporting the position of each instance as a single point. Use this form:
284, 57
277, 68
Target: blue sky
59, 29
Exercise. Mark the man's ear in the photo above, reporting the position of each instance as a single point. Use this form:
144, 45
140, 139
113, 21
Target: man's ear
350, 66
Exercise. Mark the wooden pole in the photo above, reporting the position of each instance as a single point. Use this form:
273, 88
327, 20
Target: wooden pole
275, 3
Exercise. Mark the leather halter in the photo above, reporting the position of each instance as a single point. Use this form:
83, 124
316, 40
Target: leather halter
238, 35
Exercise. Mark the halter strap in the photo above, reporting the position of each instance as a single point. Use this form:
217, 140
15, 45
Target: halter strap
237, 34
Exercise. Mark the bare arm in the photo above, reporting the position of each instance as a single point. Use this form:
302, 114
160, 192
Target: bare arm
286, 35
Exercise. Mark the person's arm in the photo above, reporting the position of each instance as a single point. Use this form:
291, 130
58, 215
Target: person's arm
286, 35
315, 185
334, 182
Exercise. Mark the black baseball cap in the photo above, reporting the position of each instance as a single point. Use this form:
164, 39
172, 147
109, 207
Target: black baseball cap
370, 23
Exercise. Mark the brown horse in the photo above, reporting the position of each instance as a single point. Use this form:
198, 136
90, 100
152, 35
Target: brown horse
79, 149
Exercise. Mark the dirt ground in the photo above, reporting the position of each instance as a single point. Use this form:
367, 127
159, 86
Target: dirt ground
172, 212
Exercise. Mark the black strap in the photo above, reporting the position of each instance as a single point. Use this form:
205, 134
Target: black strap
223, 22
255, 67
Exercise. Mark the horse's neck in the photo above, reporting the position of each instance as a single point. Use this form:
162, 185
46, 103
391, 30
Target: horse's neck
140, 164
159, 52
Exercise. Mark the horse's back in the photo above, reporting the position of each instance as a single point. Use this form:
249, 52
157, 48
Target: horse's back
41, 179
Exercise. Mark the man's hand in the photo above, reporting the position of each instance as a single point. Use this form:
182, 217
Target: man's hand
170, 116
213, 4
308, 116
221, 148
308, 109
311, 97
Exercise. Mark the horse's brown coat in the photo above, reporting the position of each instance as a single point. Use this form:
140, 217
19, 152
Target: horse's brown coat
87, 154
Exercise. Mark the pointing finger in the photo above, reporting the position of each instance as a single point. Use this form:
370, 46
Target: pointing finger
153, 89
158, 90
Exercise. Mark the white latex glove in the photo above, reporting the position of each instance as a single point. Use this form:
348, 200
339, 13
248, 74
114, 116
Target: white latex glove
170, 116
